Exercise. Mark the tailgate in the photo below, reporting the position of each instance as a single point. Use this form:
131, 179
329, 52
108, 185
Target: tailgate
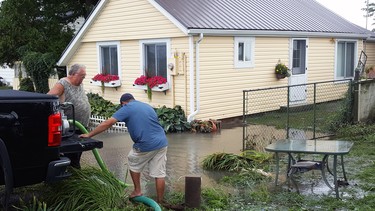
75, 144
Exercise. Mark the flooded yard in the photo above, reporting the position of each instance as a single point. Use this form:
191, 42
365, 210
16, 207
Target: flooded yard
185, 153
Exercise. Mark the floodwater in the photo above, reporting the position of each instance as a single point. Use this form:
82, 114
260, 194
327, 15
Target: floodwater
185, 154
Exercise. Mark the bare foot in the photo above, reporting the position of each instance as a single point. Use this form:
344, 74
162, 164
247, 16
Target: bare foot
135, 194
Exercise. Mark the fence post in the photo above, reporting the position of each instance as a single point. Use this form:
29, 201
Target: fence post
356, 88
243, 121
314, 118
287, 113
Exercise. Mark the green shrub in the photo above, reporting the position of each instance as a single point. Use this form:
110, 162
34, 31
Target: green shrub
26, 84
100, 106
172, 119
343, 116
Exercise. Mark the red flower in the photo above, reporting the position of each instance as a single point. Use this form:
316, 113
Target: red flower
105, 78
142, 80
151, 82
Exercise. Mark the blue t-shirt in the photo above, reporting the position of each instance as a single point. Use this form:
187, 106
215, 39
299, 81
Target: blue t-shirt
143, 126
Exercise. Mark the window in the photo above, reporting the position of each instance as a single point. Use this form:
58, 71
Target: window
345, 59
244, 52
154, 57
299, 57
109, 58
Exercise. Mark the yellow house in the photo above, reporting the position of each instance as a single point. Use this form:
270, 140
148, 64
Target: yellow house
209, 51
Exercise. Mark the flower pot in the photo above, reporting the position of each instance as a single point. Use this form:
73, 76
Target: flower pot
280, 76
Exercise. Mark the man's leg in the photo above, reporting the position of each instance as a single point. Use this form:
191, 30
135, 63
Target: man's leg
136, 177
160, 187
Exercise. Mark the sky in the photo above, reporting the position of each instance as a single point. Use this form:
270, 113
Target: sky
350, 10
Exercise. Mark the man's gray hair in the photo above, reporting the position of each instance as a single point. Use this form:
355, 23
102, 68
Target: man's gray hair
75, 68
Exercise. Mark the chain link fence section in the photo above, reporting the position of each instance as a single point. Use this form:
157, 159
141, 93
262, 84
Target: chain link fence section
305, 111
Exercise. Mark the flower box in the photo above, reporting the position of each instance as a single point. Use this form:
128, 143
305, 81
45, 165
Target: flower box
157, 88
114, 83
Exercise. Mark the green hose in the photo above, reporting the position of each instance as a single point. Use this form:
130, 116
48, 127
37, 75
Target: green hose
142, 199
147, 201
94, 151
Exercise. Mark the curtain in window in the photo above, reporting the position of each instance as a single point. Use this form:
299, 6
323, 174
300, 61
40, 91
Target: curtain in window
345, 59
244, 51
109, 60
156, 59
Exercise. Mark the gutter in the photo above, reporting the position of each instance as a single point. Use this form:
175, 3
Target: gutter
197, 99
223, 32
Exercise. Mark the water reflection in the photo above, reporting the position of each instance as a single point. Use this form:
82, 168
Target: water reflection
185, 153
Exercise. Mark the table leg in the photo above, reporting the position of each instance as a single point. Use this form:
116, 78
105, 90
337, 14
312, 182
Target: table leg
324, 165
343, 169
277, 168
335, 175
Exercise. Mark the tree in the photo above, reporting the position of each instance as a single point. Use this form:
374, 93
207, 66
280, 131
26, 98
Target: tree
38, 27
369, 9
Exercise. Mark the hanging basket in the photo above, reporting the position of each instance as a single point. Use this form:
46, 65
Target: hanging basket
280, 76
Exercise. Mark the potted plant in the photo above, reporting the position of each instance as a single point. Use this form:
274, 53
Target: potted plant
154, 83
281, 70
106, 80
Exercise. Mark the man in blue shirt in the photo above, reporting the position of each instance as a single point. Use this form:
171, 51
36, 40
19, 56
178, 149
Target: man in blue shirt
150, 142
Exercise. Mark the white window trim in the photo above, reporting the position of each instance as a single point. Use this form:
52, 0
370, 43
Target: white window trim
246, 64
117, 43
355, 56
142, 53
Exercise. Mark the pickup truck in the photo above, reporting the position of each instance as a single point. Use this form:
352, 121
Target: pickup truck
34, 135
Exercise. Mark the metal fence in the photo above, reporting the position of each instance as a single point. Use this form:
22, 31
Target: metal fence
304, 111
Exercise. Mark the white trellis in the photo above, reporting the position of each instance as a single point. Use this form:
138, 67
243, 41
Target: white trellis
116, 128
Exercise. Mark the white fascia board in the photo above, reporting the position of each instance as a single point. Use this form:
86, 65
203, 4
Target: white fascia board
169, 16
218, 32
76, 42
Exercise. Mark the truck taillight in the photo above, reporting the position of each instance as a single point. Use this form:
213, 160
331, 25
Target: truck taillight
54, 130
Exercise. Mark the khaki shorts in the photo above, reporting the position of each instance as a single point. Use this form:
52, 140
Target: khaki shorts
155, 160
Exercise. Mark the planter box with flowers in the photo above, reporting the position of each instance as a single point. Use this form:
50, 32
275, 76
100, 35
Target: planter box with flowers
106, 80
155, 83
158, 88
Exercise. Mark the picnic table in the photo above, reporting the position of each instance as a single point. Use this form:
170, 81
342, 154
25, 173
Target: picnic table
315, 146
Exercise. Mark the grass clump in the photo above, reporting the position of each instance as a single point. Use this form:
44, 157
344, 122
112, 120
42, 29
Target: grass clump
87, 189
215, 199
226, 162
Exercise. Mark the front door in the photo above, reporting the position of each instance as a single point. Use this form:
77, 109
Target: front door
298, 70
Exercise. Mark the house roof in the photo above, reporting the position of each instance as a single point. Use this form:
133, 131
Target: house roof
294, 18
259, 15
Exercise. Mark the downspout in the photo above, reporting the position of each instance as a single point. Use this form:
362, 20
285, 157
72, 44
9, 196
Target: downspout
192, 112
